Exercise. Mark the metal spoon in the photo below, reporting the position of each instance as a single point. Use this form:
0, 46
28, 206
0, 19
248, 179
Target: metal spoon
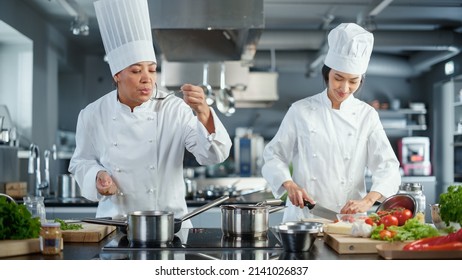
166, 94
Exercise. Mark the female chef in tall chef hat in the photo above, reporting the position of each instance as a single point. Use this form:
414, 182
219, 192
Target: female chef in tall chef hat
331, 138
130, 145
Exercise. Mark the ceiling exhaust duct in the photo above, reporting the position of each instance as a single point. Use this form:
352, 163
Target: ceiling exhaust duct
207, 30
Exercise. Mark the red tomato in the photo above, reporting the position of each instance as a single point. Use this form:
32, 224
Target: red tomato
389, 220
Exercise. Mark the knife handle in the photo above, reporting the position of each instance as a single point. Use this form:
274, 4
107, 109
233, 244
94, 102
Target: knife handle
309, 204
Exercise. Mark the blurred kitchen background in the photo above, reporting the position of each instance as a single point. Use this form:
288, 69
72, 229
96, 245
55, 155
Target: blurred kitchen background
267, 52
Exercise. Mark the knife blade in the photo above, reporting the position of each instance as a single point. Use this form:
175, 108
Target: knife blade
321, 211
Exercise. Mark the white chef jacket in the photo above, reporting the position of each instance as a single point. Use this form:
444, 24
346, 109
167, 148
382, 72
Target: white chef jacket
143, 151
329, 151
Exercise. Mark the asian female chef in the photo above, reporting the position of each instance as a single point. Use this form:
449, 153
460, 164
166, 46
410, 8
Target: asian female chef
332, 137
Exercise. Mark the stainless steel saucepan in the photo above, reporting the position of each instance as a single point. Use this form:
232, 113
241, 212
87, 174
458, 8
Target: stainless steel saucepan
153, 227
251, 221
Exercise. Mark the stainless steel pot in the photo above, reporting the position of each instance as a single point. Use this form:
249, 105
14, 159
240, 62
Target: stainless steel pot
68, 187
153, 227
143, 227
147, 227
246, 220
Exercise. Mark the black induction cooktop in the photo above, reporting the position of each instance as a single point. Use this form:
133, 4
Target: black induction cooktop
199, 239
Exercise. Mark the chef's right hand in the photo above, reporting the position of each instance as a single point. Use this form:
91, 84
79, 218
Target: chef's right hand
296, 195
104, 184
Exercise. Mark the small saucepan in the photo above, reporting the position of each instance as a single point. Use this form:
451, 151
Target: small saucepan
153, 227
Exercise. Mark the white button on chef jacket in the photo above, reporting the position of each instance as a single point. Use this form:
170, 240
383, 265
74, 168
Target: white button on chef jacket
148, 154
366, 146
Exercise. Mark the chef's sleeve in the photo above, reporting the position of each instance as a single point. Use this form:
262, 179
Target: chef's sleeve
382, 161
208, 148
278, 154
84, 162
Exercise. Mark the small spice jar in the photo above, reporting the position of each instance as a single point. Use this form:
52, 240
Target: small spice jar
50, 238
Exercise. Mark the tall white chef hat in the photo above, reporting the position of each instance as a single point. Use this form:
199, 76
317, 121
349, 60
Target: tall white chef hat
350, 48
126, 32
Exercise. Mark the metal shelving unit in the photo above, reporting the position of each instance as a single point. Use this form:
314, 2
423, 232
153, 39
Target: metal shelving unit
403, 121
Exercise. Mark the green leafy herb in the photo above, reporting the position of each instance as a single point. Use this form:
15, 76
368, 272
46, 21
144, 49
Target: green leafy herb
16, 222
67, 226
451, 205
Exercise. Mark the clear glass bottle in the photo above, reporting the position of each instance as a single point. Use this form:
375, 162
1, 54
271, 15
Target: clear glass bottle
50, 238
416, 191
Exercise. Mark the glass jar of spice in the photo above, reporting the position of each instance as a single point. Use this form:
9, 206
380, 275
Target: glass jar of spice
50, 238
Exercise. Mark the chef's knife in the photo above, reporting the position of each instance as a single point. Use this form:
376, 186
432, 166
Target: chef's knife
321, 211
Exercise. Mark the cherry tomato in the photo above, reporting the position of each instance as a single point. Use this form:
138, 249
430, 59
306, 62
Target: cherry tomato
385, 234
397, 211
382, 213
369, 221
403, 216
389, 220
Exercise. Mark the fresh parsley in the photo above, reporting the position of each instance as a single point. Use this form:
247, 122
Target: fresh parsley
67, 226
451, 205
16, 222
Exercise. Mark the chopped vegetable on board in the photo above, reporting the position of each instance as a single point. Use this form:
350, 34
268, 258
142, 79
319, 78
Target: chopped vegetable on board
67, 226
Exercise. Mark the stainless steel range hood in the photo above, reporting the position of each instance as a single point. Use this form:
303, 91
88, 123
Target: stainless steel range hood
207, 30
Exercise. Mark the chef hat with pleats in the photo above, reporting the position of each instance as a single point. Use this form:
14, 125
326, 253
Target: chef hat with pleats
350, 48
126, 32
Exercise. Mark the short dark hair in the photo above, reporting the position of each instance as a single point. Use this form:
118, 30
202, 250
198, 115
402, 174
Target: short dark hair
325, 75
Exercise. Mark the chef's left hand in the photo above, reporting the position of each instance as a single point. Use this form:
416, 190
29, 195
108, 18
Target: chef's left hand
362, 205
356, 206
194, 96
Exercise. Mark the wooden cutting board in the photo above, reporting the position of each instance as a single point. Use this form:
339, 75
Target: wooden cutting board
347, 244
9, 248
89, 233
